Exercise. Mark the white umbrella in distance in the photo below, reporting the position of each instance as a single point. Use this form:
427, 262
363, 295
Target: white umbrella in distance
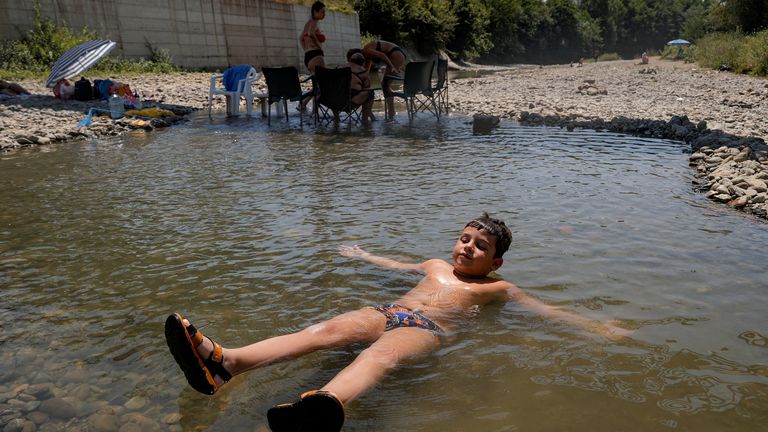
675, 42
78, 59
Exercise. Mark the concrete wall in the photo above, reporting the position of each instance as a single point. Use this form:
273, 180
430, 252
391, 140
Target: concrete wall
197, 33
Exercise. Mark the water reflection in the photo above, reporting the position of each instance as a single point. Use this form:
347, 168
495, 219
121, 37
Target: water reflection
238, 224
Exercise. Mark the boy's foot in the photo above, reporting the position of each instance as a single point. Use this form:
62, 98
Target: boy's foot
205, 373
316, 411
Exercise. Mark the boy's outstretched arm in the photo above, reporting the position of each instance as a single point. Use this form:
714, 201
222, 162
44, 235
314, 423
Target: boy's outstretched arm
552, 312
357, 252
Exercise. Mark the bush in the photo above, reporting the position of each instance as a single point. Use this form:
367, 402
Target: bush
716, 49
40, 46
367, 38
34, 54
752, 56
608, 57
736, 52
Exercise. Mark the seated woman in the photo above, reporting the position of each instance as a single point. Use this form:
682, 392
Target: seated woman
394, 57
360, 85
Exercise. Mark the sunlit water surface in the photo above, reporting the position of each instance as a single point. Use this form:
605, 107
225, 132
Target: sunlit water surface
238, 225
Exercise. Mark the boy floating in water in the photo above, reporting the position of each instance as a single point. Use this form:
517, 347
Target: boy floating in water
414, 325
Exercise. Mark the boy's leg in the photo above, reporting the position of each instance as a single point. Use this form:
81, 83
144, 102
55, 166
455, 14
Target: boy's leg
390, 350
323, 410
363, 325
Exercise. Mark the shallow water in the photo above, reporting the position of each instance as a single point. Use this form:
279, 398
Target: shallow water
238, 225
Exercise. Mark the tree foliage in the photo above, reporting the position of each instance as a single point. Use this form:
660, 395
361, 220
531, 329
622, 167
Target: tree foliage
553, 30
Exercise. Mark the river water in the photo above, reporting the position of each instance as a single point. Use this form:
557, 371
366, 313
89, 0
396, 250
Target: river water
238, 225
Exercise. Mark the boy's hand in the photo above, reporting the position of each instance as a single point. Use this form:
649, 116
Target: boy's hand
352, 251
615, 333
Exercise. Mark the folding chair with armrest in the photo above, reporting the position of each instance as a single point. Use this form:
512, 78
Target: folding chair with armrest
439, 98
283, 85
441, 87
334, 95
417, 82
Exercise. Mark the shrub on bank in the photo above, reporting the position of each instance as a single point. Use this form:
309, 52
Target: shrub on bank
608, 57
40, 46
33, 55
753, 56
739, 53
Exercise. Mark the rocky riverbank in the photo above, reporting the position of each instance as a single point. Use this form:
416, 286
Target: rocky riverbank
711, 110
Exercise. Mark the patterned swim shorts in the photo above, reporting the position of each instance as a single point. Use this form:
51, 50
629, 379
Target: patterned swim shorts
400, 316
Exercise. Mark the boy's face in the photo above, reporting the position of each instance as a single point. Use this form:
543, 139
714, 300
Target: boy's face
474, 251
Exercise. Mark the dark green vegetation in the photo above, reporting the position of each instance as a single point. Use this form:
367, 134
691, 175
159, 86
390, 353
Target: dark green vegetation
559, 31
33, 54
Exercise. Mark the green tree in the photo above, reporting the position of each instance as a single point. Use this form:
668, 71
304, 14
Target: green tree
513, 28
746, 16
428, 24
471, 36
382, 18
559, 36
425, 25
610, 16
697, 20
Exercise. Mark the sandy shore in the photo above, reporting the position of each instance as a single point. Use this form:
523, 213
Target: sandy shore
711, 110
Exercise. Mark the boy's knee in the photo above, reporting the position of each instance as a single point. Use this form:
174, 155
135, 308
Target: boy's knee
384, 355
320, 329
326, 334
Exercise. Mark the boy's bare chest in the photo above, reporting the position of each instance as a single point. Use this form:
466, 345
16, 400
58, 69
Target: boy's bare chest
444, 292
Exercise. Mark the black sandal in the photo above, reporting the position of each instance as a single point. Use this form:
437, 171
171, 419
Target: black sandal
183, 342
316, 411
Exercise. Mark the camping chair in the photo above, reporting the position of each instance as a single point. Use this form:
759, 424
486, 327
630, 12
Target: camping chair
441, 87
417, 82
283, 85
334, 95
439, 91
241, 89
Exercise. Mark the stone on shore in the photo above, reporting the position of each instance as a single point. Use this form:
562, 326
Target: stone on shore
484, 123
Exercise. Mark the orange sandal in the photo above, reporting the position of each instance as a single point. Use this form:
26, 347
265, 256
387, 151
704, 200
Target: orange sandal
183, 342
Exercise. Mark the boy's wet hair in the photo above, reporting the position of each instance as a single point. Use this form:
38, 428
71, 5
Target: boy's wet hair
496, 228
316, 6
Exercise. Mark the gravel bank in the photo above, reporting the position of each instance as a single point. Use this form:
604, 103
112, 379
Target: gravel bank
735, 104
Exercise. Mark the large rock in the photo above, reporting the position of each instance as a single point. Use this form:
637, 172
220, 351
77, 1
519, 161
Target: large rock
484, 123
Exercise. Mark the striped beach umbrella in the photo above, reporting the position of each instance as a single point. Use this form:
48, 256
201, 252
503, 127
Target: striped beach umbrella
78, 59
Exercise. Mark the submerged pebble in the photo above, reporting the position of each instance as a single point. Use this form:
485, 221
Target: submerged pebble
59, 408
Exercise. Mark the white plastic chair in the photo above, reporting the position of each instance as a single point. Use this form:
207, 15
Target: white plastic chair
233, 97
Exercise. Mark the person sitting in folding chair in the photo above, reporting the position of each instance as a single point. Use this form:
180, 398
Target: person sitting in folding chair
362, 95
394, 57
